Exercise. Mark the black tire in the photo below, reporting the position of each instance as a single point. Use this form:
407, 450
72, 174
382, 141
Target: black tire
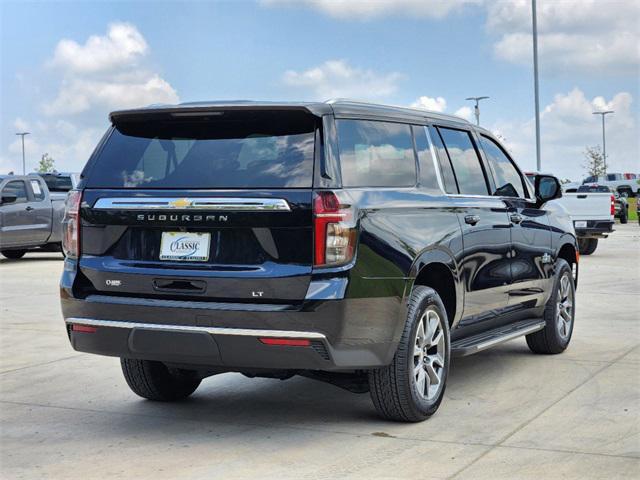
587, 245
394, 388
555, 336
154, 381
624, 216
13, 254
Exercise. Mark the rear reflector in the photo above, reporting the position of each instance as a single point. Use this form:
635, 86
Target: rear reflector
83, 329
288, 342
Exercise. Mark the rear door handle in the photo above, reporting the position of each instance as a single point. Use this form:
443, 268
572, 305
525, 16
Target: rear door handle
472, 219
515, 218
28, 209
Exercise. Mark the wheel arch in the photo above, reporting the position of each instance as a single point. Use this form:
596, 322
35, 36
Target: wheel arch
437, 269
569, 252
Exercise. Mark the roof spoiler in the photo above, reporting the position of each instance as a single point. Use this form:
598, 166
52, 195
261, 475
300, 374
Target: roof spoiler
212, 110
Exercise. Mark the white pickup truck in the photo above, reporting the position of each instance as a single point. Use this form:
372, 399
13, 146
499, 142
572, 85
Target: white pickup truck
592, 215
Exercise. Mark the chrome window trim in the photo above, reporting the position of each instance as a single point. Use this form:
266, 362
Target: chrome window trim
243, 332
244, 204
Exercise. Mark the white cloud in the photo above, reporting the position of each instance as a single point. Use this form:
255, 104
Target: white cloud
80, 94
367, 9
437, 104
122, 46
568, 126
336, 78
464, 112
20, 125
107, 72
582, 34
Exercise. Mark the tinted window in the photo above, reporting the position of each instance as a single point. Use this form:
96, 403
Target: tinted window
465, 161
594, 189
57, 183
17, 188
36, 188
232, 150
428, 176
448, 178
376, 154
508, 180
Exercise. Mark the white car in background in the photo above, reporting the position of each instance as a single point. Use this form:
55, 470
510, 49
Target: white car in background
624, 183
592, 214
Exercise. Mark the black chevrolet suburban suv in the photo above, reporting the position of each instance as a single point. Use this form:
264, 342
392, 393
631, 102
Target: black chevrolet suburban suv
358, 244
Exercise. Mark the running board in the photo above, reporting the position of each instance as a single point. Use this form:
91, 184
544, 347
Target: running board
482, 341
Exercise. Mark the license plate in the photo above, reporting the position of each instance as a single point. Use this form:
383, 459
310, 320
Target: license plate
581, 224
185, 246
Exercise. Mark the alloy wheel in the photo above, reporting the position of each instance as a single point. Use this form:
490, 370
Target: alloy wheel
564, 307
429, 355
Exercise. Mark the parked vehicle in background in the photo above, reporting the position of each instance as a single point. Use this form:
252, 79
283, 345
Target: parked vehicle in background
59, 183
353, 243
621, 202
30, 218
623, 183
592, 215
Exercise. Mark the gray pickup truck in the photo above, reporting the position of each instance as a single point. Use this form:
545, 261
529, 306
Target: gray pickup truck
30, 217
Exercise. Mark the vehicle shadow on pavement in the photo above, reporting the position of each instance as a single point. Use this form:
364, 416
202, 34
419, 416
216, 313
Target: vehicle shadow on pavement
54, 257
234, 399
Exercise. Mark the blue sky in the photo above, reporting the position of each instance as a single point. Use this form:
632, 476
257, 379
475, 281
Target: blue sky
64, 66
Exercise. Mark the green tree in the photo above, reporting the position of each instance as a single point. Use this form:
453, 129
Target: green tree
47, 164
595, 161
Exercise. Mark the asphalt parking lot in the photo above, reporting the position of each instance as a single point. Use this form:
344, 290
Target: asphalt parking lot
507, 413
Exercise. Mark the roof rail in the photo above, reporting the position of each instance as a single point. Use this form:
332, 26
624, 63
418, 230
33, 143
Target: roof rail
424, 111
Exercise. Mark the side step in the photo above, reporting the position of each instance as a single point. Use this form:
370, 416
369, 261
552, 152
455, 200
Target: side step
481, 341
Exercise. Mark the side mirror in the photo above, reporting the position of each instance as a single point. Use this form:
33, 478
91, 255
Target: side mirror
547, 188
8, 199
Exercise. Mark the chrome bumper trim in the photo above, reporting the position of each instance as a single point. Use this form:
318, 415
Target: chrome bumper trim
243, 332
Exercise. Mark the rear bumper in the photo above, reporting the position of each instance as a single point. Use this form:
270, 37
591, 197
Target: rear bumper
595, 229
343, 334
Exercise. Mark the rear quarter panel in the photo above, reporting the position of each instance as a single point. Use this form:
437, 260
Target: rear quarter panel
401, 231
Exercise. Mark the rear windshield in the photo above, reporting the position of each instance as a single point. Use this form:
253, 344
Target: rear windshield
57, 183
232, 150
593, 189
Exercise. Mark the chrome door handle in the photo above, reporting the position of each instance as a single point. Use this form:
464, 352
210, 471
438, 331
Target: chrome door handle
472, 219
515, 218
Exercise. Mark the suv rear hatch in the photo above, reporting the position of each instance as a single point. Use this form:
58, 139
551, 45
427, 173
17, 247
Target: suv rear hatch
203, 206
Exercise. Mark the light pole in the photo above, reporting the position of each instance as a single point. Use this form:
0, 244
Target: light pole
22, 134
476, 110
535, 82
604, 142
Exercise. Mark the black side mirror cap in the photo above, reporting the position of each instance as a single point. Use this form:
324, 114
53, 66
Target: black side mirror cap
547, 188
8, 199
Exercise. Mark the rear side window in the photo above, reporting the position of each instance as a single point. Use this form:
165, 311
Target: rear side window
16, 188
376, 154
58, 183
448, 178
232, 150
36, 188
428, 176
465, 161
508, 180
